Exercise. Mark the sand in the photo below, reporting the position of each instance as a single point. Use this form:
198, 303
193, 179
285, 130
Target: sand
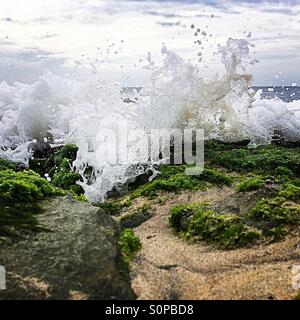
169, 267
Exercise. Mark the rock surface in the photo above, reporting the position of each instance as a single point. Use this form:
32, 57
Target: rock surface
78, 259
136, 220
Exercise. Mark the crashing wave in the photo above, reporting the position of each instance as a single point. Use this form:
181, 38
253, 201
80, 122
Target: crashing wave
74, 110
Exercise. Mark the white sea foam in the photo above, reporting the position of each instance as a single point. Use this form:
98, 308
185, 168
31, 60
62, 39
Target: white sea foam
74, 109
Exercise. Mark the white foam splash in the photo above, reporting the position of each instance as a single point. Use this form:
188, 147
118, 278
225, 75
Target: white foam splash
73, 109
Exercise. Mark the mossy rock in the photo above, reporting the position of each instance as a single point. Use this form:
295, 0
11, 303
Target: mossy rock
4, 164
276, 216
67, 180
173, 179
200, 222
114, 207
136, 218
24, 186
244, 218
58, 166
20, 194
250, 184
79, 258
264, 159
180, 214
242, 202
68, 151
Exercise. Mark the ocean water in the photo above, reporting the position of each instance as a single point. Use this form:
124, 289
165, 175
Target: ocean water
285, 93
78, 108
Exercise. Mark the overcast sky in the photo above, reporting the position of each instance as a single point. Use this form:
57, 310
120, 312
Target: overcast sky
115, 36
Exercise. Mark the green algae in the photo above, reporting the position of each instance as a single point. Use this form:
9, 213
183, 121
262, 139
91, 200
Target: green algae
226, 230
250, 184
129, 245
173, 179
20, 192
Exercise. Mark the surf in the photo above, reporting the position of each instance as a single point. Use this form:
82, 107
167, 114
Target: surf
74, 108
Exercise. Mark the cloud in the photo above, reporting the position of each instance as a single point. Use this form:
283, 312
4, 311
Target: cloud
279, 56
55, 34
48, 35
168, 24
162, 14
30, 55
6, 42
28, 64
285, 11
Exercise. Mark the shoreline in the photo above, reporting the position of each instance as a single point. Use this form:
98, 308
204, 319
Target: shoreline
166, 260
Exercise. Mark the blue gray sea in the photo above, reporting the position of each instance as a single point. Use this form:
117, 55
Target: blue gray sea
285, 93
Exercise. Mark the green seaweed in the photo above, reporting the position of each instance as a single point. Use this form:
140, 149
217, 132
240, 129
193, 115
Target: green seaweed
24, 186
238, 235
215, 177
167, 171
291, 192
276, 210
67, 180
114, 207
20, 192
225, 229
280, 214
80, 198
59, 168
172, 184
4, 164
181, 211
129, 245
273, 159
198, 221
68, 151
173, 178
250, 184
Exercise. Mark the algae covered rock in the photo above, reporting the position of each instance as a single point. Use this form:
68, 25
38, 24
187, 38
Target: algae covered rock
79, 258
20, 192
136, 217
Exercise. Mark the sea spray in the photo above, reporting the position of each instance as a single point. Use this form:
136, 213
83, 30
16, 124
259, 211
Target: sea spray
75, 109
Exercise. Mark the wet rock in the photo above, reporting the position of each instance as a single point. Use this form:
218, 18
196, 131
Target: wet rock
78, 259
241, 203
135, 219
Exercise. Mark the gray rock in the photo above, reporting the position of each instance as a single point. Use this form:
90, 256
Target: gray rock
136, 219
78, 259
